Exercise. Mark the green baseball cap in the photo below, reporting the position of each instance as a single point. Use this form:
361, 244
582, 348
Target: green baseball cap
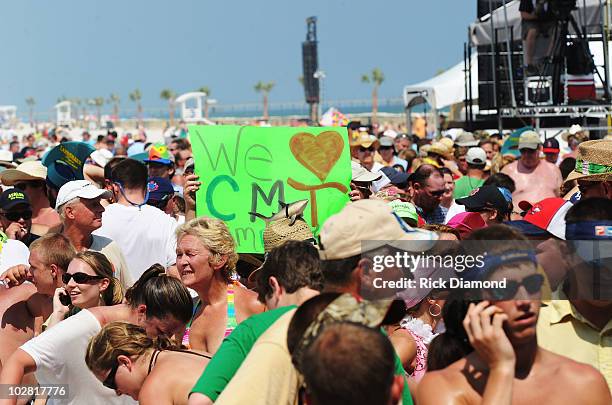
404, 210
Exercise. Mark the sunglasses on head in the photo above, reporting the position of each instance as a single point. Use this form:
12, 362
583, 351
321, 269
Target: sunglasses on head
110, 382
532, 284
17, 215
362, 149
79, 278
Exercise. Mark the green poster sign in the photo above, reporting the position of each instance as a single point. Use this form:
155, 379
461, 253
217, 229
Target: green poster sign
247, 170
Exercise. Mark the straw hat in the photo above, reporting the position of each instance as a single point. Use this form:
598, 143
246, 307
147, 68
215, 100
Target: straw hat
441, 149
276, 233
27, 171
448, 142
594, 161
364, 139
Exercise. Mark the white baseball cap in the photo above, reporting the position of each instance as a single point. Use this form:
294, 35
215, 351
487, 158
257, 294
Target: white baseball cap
360, 173
79, 189
476, 156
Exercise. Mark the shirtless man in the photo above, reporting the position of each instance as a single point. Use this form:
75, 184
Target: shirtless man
21, 309
507, 366
535, 179
30, 177
49, 258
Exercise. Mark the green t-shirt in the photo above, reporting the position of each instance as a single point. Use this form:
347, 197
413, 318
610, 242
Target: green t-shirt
233, 351
464, 186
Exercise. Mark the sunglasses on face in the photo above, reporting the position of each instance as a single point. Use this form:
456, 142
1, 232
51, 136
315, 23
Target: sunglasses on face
364, 150
109, 382
26, 184
438, 193
532, 284
17, 215
79, 278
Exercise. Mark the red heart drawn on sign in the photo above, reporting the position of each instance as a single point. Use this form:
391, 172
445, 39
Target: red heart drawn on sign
319, 153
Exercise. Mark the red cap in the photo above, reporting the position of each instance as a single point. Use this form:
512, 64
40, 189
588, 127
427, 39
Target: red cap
542, 214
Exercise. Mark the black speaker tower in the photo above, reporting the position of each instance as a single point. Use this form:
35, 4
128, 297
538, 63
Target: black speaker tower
310, 62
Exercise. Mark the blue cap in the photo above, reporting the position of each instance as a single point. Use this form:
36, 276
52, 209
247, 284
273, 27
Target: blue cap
159, 188
65, 162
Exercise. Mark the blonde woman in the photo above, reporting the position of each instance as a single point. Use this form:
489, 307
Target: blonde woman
88, 283
150, 370
206, 261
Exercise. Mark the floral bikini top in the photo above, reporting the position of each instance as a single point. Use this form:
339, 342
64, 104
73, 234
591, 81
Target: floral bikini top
231, 316
422, 335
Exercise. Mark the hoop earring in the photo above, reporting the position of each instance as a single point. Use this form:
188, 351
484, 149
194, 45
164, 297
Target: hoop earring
439, 310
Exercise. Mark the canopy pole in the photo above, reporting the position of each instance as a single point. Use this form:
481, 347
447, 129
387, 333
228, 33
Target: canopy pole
509, 55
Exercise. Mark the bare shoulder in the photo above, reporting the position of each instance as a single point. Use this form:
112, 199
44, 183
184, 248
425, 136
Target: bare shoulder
157, 388
510, 168
247, 299
581, 377
447, 386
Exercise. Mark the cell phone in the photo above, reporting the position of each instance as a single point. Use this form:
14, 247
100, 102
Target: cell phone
65, 299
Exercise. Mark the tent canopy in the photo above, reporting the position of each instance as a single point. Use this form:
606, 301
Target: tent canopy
588, 15
443, 90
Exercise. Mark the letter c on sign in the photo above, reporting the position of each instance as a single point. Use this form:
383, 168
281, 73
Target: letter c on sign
209, 196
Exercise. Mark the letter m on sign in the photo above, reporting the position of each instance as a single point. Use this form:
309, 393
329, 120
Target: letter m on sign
278, 186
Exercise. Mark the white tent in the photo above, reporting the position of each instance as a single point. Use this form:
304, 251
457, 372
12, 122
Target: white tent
588, 15
444, 90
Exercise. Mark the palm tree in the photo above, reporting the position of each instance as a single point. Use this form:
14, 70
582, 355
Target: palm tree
31, 102
114, 99
135, 97
264, 89
169, 96
376, 78
97, 102
205, 89
76, 102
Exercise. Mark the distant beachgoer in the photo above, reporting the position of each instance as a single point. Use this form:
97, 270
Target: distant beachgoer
16, 216
428, 187
476, 159
31, 178
535, 179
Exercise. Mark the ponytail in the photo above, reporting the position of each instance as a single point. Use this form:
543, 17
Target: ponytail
163, 295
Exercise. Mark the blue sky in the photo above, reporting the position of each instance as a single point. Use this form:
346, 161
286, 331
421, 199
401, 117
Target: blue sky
87, 48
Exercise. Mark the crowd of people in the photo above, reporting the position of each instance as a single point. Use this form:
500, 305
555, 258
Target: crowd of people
111, 285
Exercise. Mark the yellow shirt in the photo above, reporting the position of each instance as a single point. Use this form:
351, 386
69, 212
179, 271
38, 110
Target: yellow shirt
266, 376
563, 330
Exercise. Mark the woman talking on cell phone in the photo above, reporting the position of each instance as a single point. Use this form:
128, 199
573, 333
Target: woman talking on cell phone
88, 283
